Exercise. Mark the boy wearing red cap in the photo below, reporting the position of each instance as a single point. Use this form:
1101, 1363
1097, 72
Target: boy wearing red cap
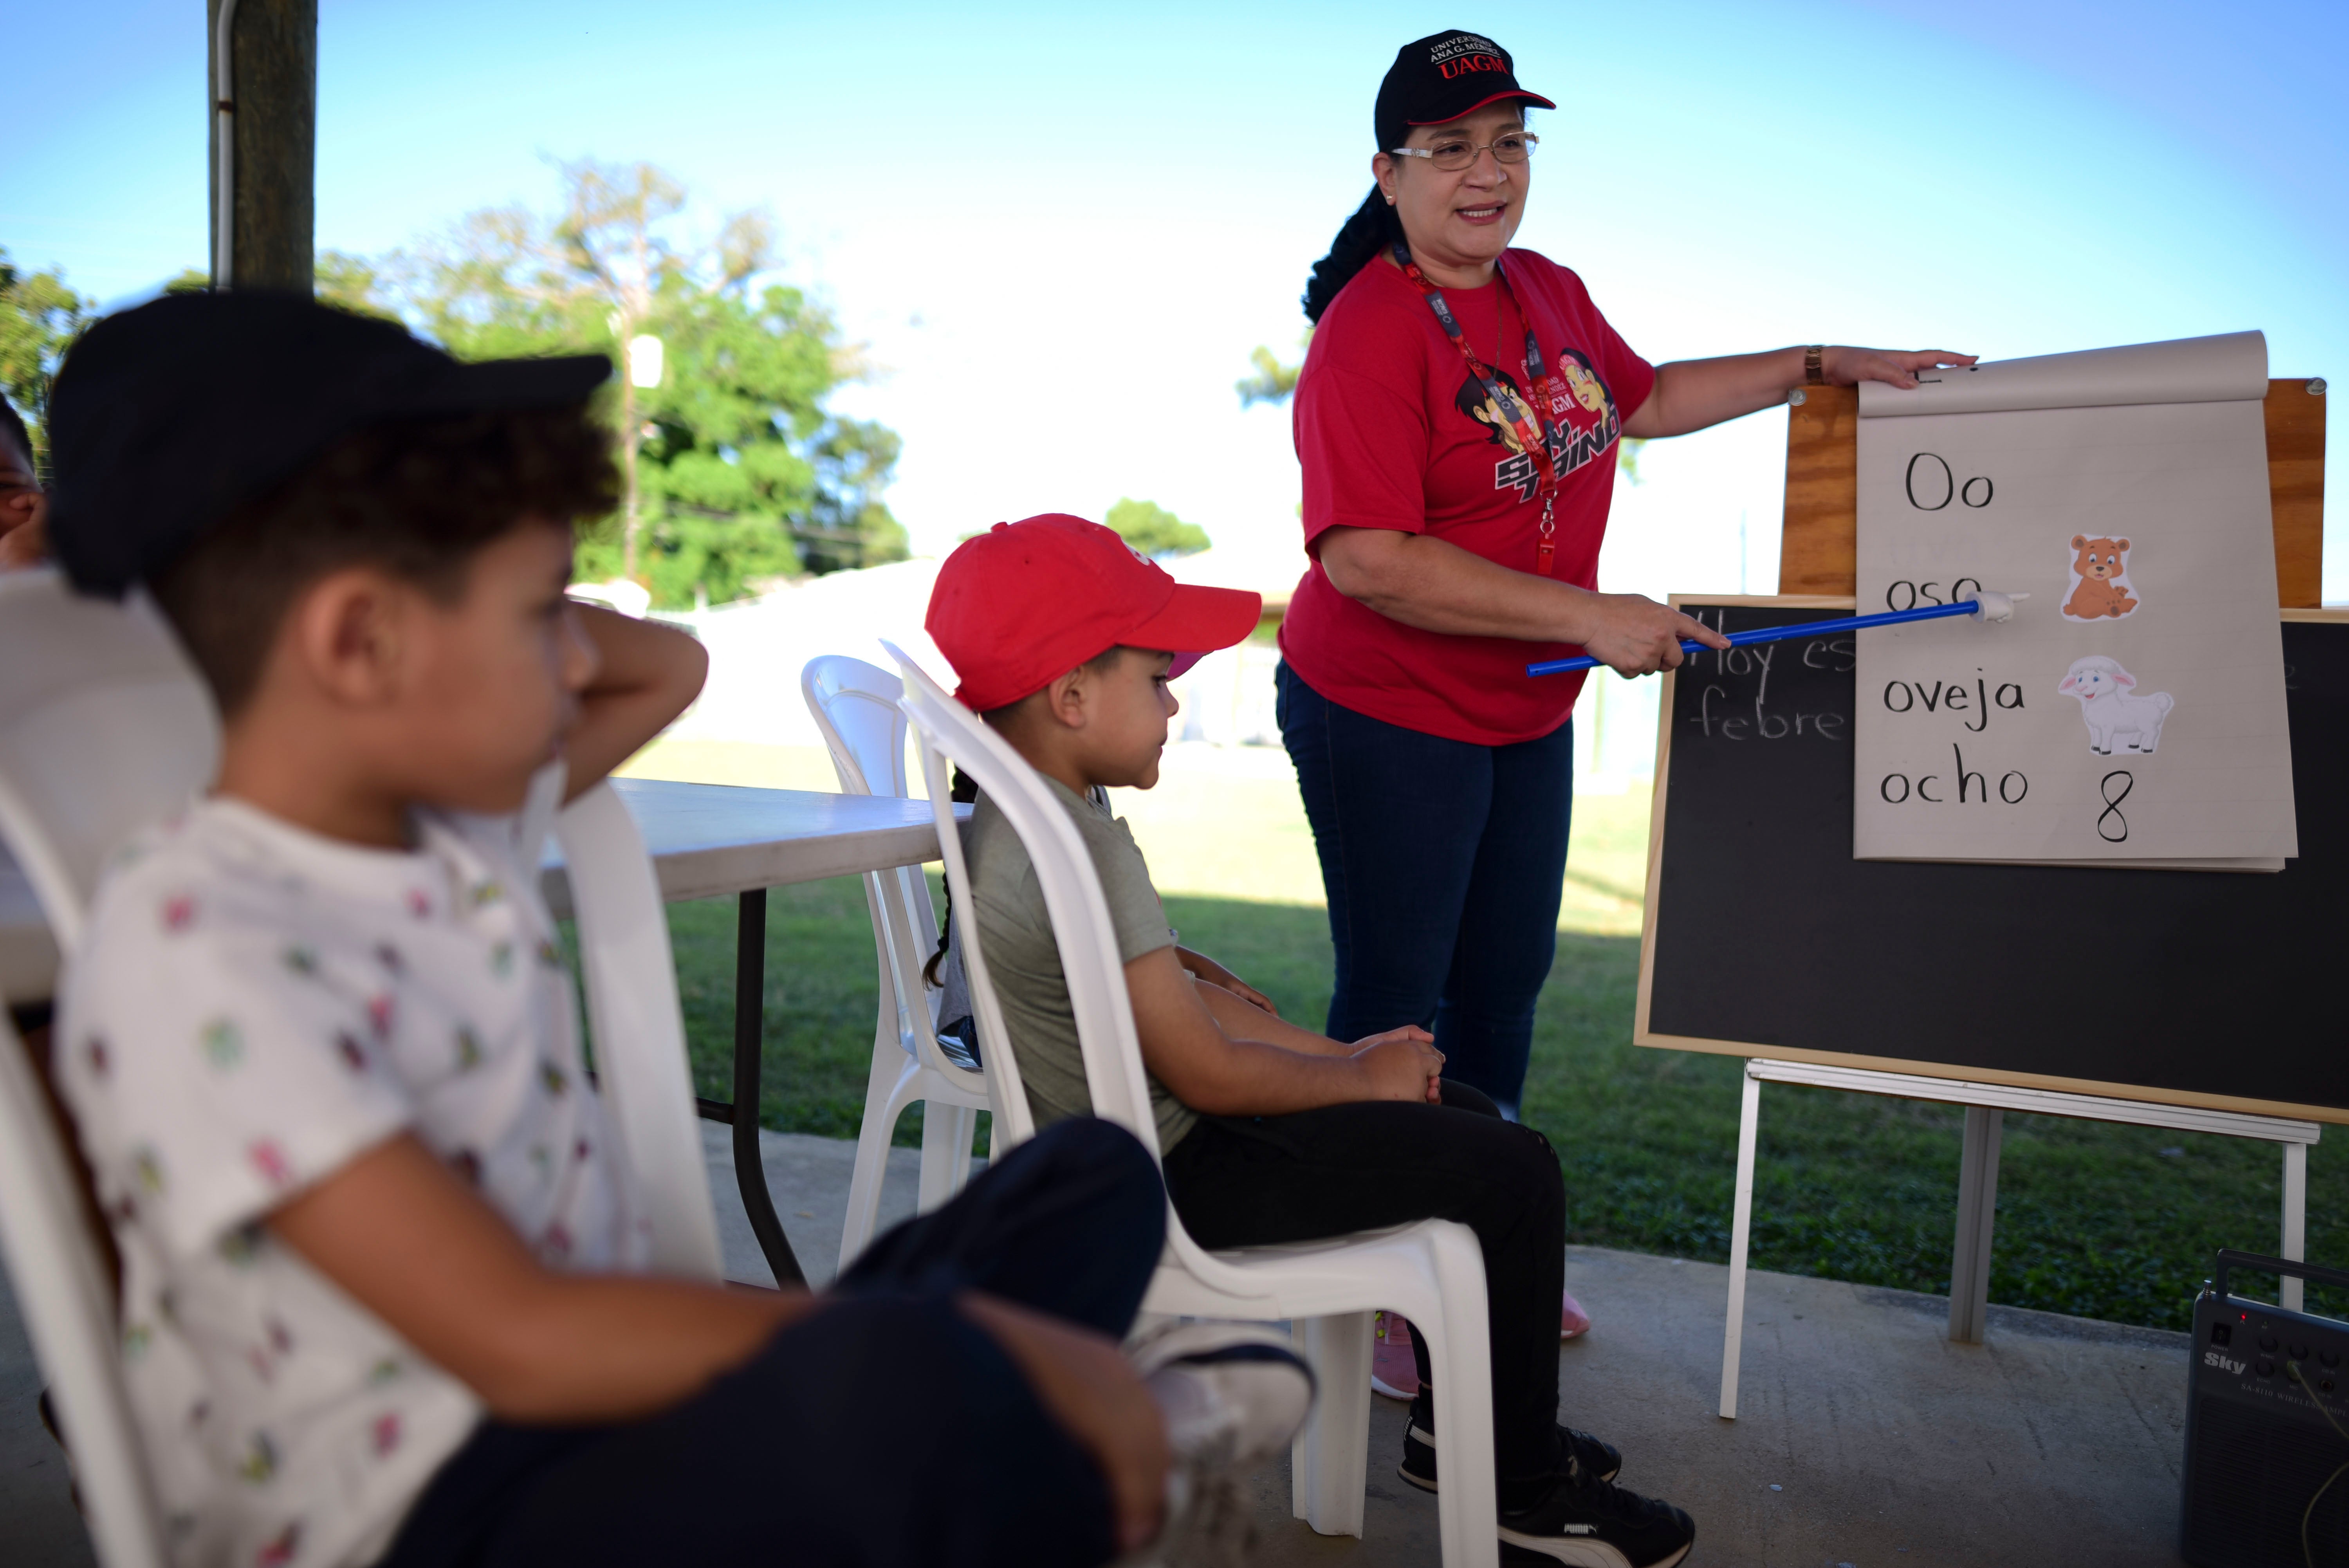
1063, 640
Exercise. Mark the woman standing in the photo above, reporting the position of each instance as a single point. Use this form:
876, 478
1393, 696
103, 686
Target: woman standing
1458, 419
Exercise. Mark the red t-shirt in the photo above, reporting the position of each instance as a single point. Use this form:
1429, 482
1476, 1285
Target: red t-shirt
1395, 431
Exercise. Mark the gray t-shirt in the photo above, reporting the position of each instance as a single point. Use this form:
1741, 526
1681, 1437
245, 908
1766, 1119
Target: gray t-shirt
1024, 961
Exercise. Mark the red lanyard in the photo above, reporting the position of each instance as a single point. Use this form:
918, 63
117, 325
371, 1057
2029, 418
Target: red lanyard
1507, 404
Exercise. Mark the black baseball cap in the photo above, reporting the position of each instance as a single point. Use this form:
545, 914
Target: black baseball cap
166, 418
1441, 78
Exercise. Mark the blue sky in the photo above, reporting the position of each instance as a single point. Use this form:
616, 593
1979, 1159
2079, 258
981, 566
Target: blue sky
1061, 230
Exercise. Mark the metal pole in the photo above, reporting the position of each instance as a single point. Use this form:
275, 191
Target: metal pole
1977, 1209
1741, 1233
263, 102
2295, 1221
749, 1009
223, 145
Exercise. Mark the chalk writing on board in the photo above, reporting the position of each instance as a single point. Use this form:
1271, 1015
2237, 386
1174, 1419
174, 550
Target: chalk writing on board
1973, 787
1952, 696
1733, 703
1929, 477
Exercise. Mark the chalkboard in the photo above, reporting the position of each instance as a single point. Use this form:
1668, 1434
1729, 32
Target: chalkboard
1765, 937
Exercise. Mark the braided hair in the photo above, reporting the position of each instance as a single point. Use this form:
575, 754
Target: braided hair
1372, 229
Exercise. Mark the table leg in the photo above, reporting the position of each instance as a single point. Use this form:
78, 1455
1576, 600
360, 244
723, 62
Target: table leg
1741, 1236
2295, 1221
1977, 1210
749, 1006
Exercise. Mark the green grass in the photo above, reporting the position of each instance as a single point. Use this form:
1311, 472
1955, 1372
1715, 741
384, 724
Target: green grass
2093, 1220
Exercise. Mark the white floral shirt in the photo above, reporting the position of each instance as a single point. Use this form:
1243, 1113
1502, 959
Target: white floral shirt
255, 1006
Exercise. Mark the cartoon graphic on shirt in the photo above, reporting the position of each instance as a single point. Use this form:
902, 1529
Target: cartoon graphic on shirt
1576, 385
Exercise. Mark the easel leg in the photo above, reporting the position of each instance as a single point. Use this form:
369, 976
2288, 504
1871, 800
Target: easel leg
1740, 1235
1977, 1209
2295, 1220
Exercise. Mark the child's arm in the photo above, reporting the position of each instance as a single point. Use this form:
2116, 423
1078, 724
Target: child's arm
1189, 1052
1213, 973
649, 674
409, 1241
1243, 1020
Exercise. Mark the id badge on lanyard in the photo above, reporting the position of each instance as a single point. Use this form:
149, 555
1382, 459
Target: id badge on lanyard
1510, 407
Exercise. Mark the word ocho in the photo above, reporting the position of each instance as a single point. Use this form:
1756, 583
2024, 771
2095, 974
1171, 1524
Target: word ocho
1899, 789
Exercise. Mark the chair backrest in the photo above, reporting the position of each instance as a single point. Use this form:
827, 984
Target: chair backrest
61, 1287
1080, 926
854, 705
1072, 899
856, 708
638, 1027
104, 728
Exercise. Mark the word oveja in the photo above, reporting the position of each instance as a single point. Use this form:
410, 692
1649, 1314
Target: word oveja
1732, 716
1933, 696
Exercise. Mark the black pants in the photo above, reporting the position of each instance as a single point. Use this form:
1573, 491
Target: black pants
884, 1431
1249, 1182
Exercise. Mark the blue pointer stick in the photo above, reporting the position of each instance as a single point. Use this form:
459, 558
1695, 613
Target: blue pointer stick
1814, 628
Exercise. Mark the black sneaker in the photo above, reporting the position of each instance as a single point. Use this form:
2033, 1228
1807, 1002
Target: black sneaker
1592, 1523
1595, 1455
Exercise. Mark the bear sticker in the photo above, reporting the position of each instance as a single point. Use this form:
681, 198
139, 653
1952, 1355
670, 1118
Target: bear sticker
2100, 587
2118, 717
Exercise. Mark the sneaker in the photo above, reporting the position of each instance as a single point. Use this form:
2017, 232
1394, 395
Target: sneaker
1573, 1323
1592, 1523
1395, 1370
1233, 1394
1597, 1455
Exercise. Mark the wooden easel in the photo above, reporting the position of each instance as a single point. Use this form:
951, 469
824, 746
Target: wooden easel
1818, 555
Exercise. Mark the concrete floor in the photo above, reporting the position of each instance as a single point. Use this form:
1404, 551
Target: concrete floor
1866, 1438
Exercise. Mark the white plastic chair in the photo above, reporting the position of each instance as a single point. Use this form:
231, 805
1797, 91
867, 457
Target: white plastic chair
639, 1030
103, 729
1431, 1272
856, 708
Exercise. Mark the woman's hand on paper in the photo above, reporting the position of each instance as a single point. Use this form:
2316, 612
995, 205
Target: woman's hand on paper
1848, 366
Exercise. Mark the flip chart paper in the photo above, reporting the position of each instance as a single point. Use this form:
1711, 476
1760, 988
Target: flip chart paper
2133, 710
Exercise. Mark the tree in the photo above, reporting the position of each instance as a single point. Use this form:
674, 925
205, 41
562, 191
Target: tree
1273, 381
39, 318
736, 470
1154, 531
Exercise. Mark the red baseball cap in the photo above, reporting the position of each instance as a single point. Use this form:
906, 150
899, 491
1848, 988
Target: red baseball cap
1021, 605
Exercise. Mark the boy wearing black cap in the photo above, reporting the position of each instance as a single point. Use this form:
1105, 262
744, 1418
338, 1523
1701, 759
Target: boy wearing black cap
384, 1295
1064, 639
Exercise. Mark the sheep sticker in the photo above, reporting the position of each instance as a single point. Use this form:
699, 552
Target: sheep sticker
2100, 585
2116, 713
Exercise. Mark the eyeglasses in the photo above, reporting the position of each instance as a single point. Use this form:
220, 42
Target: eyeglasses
1454, 156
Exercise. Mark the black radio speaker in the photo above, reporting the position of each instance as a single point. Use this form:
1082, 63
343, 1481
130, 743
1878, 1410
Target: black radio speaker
2267, 1428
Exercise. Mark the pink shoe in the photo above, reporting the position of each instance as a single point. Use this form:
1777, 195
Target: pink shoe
1573, 1323
1393, 1371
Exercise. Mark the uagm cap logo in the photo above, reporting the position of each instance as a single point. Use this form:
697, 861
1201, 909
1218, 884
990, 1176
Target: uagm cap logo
1464, 44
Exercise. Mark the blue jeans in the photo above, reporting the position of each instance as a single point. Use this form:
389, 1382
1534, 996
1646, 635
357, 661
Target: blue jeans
1444, 862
